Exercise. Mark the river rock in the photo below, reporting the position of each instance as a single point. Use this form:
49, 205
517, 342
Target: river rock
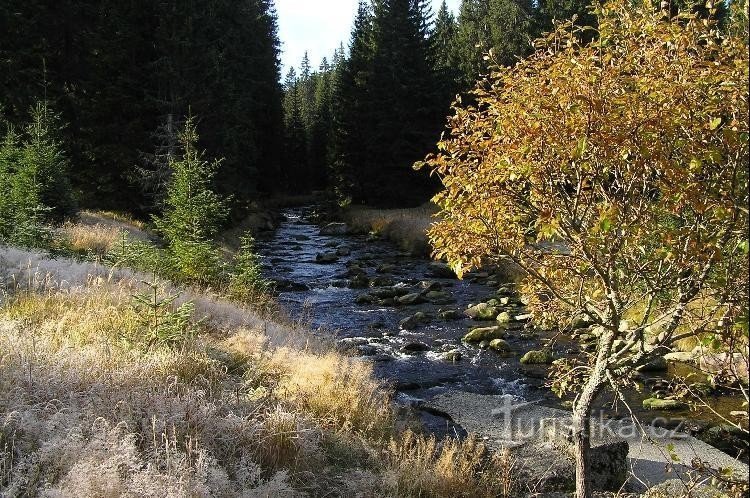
430, 285
440, 270
381, 281
452, 356
367, 350
412, 322
301, 238
326, 257
390, 292
410, 299
735, 365
503, 318
484, 334
343, 251
500, 345
482, 312
366, 299
679, 357
450, 315
386, 268
608, 461
663, 404
541, 357
658, 364
441, 296
414, 347
290, 286
359, 282
335, 229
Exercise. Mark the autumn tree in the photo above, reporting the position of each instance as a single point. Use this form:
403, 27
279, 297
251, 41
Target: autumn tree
615, 175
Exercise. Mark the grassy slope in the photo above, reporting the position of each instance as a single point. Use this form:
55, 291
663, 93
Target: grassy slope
247, 406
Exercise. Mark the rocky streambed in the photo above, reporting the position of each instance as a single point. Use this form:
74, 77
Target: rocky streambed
430, 334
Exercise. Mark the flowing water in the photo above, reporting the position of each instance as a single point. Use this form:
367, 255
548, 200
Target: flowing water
320, 294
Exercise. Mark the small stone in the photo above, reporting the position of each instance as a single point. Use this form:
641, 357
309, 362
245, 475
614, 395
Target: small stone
343, 251
663, 404
429, 285
359, 282
366, 299
679, 357
500, 345
451, 356
441, 270
412, 322
414, 347
409, 299
503, 318
437, 296
381, 281
485, 334
450, 315
658, 364
484, 345
542, 357
482, 312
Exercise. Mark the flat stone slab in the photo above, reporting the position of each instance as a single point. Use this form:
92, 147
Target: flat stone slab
505, 421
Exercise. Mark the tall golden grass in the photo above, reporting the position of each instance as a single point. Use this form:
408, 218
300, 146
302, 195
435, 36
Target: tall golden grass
245, 407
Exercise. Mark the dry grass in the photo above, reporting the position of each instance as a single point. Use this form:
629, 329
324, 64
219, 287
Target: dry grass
246, 407
406, 227
96, 239
423, 467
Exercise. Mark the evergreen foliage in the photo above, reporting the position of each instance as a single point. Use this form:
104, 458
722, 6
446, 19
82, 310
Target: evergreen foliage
193, 212
116, 69
34, 186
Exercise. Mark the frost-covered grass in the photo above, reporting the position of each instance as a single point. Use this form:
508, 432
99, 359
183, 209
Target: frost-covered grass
244, 407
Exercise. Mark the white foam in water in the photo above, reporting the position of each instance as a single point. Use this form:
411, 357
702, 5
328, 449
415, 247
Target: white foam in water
515, 387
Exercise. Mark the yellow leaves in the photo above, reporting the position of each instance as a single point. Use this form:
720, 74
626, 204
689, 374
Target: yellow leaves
714, 124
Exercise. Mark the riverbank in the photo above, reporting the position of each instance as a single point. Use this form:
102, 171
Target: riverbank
218, 400
407, 228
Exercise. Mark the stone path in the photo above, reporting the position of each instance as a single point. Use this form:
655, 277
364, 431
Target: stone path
504, 422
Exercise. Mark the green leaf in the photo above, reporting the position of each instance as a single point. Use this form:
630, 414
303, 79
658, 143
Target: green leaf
715, 123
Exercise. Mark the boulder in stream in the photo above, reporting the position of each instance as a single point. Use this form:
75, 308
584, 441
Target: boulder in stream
663, 404
335, 229
485, 334
412, 322
414, 347
500, 345
482, 312
541, 357
410, 299
441, 270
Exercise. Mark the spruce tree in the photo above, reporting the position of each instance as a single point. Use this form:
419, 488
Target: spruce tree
193, 212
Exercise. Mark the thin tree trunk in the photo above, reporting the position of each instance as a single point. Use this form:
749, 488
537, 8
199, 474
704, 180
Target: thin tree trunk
582, 414
582, 442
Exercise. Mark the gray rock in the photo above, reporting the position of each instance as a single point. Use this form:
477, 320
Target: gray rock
410, 299
441, 270
381, 281
437, 296
367, 350
414, 347
429, 285
359, 282
343, 251
412, 322
503, 318
658, 364
335, 229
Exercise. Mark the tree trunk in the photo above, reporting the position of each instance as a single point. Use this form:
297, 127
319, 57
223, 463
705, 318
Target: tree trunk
582, 414
582, 442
